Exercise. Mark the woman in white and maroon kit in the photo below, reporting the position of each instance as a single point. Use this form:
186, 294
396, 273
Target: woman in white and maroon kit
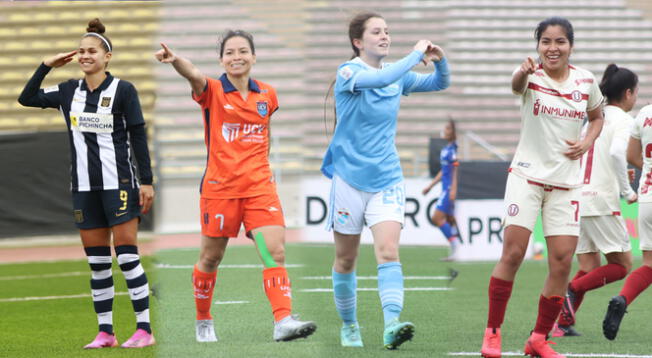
605, 177
544, 177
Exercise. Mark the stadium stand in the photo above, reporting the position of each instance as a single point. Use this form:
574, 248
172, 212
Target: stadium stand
31, 31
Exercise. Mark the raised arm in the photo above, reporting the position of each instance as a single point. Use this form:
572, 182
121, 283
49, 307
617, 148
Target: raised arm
519, 79
393, 72
184, 67
32, 95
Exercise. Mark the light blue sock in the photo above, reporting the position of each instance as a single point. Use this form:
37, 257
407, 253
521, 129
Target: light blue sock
390, 289
344, 292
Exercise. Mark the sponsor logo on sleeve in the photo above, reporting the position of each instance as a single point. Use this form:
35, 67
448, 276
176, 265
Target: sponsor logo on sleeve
51, 89
346, 73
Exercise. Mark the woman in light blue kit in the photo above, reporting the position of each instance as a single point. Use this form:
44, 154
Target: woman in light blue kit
367, 180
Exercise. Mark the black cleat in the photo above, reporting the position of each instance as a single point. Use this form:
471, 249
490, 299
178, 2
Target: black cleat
567, 309
565, 331
615, 312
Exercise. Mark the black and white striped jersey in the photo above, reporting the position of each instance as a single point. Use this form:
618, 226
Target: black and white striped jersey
102, 126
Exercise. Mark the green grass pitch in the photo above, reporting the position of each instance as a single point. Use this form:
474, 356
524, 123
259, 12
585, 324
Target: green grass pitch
447, 321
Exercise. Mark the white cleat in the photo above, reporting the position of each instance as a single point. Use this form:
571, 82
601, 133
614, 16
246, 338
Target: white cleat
290, 328
204, 330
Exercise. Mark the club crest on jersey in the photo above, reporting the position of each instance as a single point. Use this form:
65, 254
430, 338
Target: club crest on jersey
576, 96
106, 101
262, 108
512, 210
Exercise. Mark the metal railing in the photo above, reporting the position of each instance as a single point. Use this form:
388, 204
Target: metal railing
470, 137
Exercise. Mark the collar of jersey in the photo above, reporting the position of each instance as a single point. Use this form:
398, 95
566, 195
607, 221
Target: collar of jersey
359, 61
229, 87
103, 86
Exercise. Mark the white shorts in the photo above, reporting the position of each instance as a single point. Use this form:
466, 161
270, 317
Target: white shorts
645, 226
604, 233
350, 209
559, 207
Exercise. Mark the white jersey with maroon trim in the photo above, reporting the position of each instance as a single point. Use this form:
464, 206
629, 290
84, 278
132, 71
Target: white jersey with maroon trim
642, 130
551, 113
601, 193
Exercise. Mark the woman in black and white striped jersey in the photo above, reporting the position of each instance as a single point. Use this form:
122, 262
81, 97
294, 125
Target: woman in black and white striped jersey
104, 122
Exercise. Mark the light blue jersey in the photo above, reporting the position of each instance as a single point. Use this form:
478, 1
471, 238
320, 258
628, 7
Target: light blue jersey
362, 151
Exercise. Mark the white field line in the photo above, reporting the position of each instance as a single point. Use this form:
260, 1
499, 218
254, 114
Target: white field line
257, 266
442, 278
375, 289
230, 302
569, 355
41, 298
47, 275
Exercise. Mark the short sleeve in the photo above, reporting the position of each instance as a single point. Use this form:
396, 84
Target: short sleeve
132, 110
595, 96
203, 99
273, 101
635, 130
346, 76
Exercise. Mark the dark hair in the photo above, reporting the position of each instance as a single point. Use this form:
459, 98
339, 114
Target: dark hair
228, 34
615, 81
97, 27
451, 121
357, 27
555, 21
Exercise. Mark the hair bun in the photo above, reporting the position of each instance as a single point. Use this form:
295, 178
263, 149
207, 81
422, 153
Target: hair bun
96, 26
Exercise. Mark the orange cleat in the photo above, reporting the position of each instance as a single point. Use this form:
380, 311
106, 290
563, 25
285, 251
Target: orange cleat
491, 343
537, 346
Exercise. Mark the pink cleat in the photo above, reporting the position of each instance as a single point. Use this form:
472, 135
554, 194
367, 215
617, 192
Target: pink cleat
102, 340
140, 339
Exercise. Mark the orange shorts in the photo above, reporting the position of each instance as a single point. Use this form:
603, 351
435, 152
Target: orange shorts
223, 217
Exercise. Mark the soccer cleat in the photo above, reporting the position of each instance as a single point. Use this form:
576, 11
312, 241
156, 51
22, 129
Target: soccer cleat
204, 330
567, 309
537, 346
102, 340
350, 335
290, 328
615, 312
396, 333
491, 343
139, 339
560, 330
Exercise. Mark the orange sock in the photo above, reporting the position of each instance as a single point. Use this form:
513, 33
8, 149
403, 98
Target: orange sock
278, 291
203, 283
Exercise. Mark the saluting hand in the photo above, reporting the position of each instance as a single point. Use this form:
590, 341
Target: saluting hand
60, 59
165, 55
529, 66
146, 198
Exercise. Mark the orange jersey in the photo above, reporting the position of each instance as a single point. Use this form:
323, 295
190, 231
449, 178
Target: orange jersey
236, 133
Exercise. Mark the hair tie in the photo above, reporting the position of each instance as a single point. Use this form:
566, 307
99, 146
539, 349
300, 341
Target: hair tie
106, 42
